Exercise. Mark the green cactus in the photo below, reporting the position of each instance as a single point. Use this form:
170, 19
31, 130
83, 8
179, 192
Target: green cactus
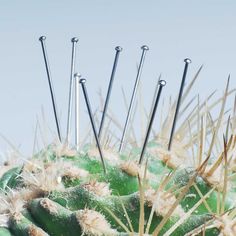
60, 192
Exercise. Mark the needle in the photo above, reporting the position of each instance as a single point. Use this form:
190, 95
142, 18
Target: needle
161, 83
42, 40
144, 50
82, 82
187, 62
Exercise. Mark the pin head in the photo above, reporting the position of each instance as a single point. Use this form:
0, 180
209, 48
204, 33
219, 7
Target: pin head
145, 47
42, 38
118, 49
187, 60
77, 75
82, 81
162, 82
74, 40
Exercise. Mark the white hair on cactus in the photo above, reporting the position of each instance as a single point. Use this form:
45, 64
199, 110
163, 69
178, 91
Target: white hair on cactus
132, 168
170, 158
162, 202
35, 231
62, 149
226, 225
11, 202
12, 159
64, 168
67, 169
33, 165
47, 176
94, 223
48, 205
4, 218
214, 178
100, 189
14, 201
108, 154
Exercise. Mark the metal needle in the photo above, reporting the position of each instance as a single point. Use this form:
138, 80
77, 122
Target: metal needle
144, 50
77, 77
187, 62
82, 82
74, 42
42, 40
118, 50
161, 83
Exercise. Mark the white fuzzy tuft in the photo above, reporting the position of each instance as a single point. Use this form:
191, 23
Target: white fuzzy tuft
41, 178
12, 159
11, 202
49, 205
61, 149
14, 202
162, 202
63, 168
35, 231
47, 176
226, 225
94, 223
215, 178
100, 189
108, 154
131, 168
46, 179
73, 172
169, 158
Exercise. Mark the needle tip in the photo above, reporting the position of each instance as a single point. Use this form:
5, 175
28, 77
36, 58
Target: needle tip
74, 40
42, 38
145, 47
187, 60
118, 48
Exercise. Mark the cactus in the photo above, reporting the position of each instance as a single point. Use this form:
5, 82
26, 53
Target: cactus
60, 191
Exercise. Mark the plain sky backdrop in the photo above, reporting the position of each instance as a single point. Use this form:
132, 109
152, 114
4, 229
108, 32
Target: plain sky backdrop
203, 30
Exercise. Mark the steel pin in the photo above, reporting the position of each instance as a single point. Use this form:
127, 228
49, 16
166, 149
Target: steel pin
118, 50
77, 77
187, 62
161, 83
144, 50
74, 42
42, 40
82, 82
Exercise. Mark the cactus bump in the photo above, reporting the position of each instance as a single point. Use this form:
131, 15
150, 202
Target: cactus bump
179, 180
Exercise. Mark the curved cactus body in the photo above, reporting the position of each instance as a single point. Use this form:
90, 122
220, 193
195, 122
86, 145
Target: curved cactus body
60, 192
115, 199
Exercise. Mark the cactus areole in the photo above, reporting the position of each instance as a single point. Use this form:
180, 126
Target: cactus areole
188, 190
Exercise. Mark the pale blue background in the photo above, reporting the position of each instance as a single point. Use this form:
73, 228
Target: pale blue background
204, 30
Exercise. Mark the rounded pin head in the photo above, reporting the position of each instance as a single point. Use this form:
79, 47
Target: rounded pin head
77, 75
187, 60
162, 82
42, 38
118, 48
145, 47
82, 81
74, 40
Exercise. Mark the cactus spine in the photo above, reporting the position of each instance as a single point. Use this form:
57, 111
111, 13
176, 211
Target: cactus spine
59, 191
